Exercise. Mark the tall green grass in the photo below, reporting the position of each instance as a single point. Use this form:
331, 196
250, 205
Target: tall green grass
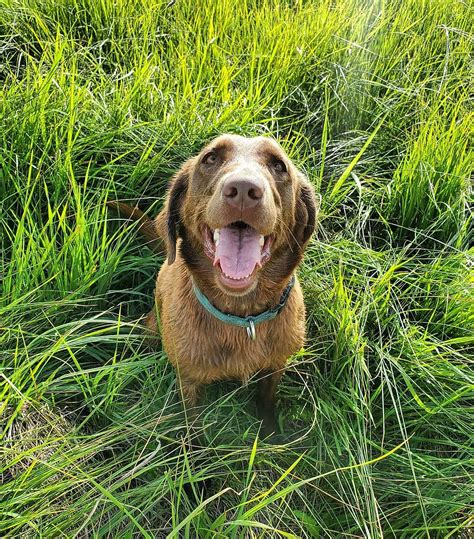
106, 99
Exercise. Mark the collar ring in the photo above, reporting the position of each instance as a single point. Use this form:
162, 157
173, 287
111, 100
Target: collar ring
251, 330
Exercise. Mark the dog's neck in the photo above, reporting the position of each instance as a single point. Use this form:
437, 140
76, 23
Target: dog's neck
263, 296
273, 280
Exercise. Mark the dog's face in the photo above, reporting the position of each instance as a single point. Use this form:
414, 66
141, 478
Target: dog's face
243, 211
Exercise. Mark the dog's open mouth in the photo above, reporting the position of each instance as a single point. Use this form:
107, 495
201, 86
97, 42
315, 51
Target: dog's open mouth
238, 251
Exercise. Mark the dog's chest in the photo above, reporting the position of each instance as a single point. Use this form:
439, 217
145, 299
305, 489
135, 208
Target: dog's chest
206, 349
209, 349
230, 353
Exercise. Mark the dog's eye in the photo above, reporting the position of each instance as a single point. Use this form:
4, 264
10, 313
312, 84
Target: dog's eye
210, 158
278, 165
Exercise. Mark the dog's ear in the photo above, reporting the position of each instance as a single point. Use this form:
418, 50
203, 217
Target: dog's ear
306, 212
176, 195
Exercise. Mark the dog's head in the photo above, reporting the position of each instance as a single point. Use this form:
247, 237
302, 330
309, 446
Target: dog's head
243, 211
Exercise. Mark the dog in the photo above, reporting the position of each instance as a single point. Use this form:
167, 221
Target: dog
235, 223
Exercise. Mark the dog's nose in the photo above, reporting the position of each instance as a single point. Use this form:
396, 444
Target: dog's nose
243, 193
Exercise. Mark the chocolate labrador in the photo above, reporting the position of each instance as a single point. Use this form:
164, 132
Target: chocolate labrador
235, 224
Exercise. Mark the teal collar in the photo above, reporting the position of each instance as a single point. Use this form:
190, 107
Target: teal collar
248, 322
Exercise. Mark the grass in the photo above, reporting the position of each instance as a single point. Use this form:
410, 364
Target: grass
106, 99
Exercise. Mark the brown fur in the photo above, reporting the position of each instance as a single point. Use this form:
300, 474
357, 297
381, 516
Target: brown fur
202, 348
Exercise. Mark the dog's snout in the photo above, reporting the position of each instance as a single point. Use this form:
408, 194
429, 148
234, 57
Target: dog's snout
243, 193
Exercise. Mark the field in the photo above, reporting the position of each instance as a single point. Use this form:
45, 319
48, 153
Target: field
105, 99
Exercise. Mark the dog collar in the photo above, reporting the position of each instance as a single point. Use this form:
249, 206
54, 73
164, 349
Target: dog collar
248, 322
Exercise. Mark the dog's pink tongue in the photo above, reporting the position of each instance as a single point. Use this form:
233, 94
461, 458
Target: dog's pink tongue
238, 251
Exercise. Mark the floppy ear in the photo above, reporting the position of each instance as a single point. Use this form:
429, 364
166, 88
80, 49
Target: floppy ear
306, 212
176, 196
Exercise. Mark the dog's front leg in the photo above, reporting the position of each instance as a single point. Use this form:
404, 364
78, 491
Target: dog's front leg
194, 444
190, 392
266, 400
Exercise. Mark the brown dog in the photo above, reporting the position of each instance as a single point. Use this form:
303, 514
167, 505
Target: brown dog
235, 224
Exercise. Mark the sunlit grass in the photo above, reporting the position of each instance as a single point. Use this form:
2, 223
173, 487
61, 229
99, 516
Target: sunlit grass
106, 99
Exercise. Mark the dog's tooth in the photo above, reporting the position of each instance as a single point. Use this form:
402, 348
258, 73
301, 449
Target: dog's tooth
262, 241
217, 234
